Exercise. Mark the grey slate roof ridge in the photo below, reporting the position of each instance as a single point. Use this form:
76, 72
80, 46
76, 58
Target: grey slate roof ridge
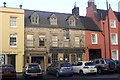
62, 21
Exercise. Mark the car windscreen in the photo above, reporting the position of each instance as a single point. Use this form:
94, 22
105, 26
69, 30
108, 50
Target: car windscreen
66, 65
109, 60
6, 68
33, 66
89, 64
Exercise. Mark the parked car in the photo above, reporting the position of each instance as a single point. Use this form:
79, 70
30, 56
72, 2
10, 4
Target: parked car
105, 65
32, 70
60, 68
84, 67
117, 66
7, 71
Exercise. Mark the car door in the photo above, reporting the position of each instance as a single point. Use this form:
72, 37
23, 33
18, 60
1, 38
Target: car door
79, 66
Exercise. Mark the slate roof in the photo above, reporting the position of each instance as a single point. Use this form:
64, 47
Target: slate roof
82, 23
101, 14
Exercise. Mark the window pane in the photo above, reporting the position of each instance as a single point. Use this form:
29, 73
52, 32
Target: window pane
113, 23
115, 54
54, 41
77, 41
13, 21
41, 40
29, 40
94, 38
114, 38
13, 41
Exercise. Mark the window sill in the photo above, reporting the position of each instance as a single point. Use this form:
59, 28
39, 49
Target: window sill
13, 46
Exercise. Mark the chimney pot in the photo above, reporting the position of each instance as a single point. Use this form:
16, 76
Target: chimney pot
20, 6
4, 4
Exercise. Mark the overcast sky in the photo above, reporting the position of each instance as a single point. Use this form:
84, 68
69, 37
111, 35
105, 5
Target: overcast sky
62, 6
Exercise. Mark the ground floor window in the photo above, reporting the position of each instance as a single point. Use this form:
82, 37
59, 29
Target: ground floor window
79, 57
115, 54
54, 57
66, 57
73, 58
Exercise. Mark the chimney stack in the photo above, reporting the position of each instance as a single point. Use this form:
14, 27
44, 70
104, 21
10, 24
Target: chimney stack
119, 6
91, 3
4, 4
75, 11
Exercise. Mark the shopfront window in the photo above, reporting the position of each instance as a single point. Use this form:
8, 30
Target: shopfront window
66, 57
54, 57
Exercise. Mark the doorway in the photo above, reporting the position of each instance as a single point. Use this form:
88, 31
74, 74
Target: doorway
40, 60
94, 53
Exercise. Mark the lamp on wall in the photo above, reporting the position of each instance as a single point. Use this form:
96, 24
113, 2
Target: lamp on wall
61, 59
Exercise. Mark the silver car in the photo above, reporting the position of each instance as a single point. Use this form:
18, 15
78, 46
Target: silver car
32, 70
60, 68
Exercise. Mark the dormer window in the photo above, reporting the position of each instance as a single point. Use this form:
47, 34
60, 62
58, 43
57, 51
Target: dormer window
53, 19
72, 21
35, 18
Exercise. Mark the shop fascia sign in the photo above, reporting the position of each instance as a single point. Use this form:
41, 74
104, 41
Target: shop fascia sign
9, 52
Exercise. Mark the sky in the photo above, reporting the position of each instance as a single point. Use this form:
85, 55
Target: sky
62, 6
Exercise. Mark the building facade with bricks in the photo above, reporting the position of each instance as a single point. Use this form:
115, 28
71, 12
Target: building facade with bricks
108, 40
51, 36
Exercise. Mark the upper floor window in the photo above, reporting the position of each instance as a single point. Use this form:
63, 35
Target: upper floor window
54, 41
29, 40
77, 42
114, 38
13, 40
115, 54
53, 19
94, 38
35, 18
66, 42
72, 21
13, 21
41, 40
113, 23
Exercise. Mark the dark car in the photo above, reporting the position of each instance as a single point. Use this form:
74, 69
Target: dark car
32, 70
105, 65
117, 66
60, 68
7, 71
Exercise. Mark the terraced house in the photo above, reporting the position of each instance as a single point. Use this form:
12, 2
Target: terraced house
51, 36
108, 41
12, 37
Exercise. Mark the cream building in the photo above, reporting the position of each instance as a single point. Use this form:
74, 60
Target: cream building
12, 37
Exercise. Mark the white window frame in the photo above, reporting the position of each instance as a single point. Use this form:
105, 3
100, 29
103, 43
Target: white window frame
116, 39
42, 38
113, 23
53, 19
55, 41
95, 39
13, 22
66, 42
30, 42
77, 41
13, 44
115, 58
72, 21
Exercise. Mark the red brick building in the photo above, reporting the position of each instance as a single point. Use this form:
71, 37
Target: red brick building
103, 44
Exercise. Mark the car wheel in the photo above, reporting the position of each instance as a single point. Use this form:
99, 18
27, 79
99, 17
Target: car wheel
81, 73
99, 70
112, 66
57, 74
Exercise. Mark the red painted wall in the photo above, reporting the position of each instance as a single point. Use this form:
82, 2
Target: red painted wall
103, 37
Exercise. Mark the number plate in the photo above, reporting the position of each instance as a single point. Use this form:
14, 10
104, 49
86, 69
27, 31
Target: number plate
6, 72
33, 74
67, 69
92, 70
